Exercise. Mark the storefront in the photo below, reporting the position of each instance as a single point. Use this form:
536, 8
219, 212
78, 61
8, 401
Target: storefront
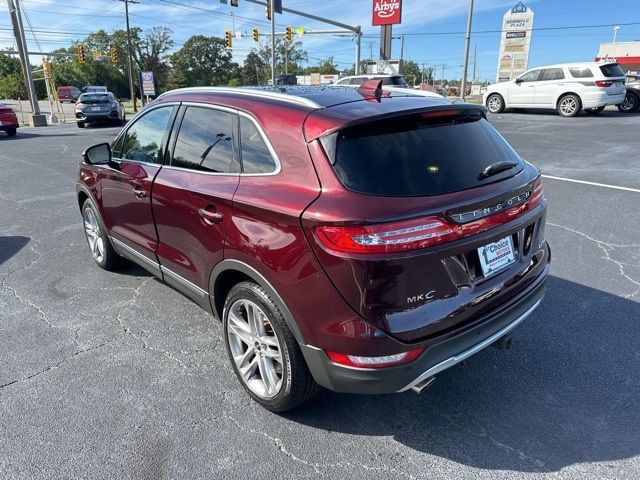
627, 54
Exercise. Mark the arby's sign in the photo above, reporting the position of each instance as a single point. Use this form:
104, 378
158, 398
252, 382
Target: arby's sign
387, 12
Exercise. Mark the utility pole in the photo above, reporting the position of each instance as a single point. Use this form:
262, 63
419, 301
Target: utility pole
466, 52
271, 5
475, 61
132, 91
401, 54
36, 119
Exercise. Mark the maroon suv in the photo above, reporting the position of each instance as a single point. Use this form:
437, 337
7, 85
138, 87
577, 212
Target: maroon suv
351, 239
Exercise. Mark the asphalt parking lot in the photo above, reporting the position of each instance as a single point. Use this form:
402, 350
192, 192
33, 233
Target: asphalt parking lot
116, 375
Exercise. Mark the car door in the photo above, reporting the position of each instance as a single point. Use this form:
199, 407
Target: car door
126, 184
522, 90
193, 196
549, 87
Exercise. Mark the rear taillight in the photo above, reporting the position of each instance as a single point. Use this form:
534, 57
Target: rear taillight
604, 83
387, 237
416, 233
374, 362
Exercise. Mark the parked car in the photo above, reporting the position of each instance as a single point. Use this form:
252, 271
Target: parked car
8, 120
632, 95
346, 238
568, 88
68, 94
387, 80
99, 108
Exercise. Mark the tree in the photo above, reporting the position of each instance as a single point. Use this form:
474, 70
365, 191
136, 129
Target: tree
204, 61
294, 56
325, 67
254, 70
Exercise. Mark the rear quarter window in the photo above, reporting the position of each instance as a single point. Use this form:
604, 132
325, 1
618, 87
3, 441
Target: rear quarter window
580, 72
419, 155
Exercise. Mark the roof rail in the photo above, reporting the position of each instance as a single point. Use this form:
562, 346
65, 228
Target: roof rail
253, 92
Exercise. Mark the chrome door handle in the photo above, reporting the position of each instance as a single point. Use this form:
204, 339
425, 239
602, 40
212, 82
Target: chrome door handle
138, 191
210, 217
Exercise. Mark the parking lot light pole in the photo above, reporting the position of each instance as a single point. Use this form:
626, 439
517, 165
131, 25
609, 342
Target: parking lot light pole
463, 90
615, 32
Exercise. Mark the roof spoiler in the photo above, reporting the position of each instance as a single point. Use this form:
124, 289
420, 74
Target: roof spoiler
372, 91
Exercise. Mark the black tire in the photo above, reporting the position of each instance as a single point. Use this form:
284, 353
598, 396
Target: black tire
630, 104
569, 105
595, 111
109, 260
495, 103
11, 131
296, 383
81, 125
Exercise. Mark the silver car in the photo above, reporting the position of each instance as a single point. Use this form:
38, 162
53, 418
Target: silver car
97, 107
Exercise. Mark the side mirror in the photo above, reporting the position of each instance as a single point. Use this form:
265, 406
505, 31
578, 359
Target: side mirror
98, 154
518, 80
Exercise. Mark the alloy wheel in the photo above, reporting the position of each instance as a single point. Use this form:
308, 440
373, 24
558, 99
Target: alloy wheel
494, 104
568, 106
94, 237
255, 348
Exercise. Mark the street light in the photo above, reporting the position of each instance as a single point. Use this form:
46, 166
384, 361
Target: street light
615, 32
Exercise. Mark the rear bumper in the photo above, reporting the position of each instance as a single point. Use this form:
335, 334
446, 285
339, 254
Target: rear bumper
98, 117
600, 99
7, 126
435, 359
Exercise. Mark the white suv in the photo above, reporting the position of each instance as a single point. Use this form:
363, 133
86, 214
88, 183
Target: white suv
387, 80
569, 88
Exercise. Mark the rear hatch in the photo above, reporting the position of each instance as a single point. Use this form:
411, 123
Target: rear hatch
7, 115
427, 222
95, 103
614, 79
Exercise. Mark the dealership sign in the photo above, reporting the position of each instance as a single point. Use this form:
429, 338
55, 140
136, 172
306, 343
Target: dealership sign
387, 12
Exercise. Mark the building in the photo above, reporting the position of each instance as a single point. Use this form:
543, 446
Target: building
627, 54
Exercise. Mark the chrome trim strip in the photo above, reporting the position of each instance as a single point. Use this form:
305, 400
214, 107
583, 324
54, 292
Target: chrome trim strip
125, 250
450, 362
184, 282
250, 92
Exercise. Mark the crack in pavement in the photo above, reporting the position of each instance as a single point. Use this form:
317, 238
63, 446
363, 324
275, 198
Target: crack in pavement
318, 467
607, 248
57, 365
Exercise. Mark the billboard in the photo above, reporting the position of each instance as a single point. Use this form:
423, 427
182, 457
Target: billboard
517, 27
386, 12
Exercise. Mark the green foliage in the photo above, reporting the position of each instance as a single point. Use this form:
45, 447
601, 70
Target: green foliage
205, 61
294, 53
12, 86
255, 71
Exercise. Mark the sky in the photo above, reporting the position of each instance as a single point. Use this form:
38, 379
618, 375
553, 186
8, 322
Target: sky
433, 29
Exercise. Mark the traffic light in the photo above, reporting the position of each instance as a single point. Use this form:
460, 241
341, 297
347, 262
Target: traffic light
229, 39
46, 66
288, 36
256, 34
81, 51
267, 10
234, 3
113, 54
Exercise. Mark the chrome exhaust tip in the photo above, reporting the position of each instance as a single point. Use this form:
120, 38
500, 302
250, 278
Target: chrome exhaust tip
420, 387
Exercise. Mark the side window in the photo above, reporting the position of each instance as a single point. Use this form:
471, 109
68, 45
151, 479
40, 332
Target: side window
256, 157
357, 81
205, 141
580, 72
552, 74
143, 140
531, 76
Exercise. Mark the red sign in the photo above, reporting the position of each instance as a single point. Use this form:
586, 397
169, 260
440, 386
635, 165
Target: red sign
387, 12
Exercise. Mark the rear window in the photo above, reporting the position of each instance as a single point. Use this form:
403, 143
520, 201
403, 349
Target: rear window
580, 72
94, 98
419, 155
612, 70
393, 81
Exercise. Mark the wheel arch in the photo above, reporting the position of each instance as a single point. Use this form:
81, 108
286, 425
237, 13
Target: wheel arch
569, 92
230, 272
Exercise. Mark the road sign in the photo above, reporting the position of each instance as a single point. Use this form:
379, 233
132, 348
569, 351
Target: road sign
96, 54
148, 84
387, 12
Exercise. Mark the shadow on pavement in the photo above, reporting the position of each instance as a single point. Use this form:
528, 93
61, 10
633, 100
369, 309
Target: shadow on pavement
9, 246
567, 393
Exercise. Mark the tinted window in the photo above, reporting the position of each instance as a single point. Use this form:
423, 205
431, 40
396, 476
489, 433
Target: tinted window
143, 140
418, 155
205, 141
94, 98
612, 70
344, 81
580, 72
393, 81
357, 81
531, 76
256, 157
552, 74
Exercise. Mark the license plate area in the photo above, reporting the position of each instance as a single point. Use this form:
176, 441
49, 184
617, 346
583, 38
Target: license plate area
496, 256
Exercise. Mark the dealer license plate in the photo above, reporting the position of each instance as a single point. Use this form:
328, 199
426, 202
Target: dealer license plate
95, 109
496, 256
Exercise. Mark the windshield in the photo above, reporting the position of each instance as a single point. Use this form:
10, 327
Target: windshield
423, 154
94, 98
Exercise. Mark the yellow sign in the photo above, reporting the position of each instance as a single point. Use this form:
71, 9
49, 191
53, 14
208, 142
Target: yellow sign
96, 54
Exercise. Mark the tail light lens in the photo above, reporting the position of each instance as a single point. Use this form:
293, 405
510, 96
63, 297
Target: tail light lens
374, 362
416, 233
604, 83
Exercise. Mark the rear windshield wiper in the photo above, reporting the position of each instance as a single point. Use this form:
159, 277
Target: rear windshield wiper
496, 168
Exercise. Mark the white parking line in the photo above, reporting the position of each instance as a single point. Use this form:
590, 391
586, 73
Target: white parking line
615, 187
